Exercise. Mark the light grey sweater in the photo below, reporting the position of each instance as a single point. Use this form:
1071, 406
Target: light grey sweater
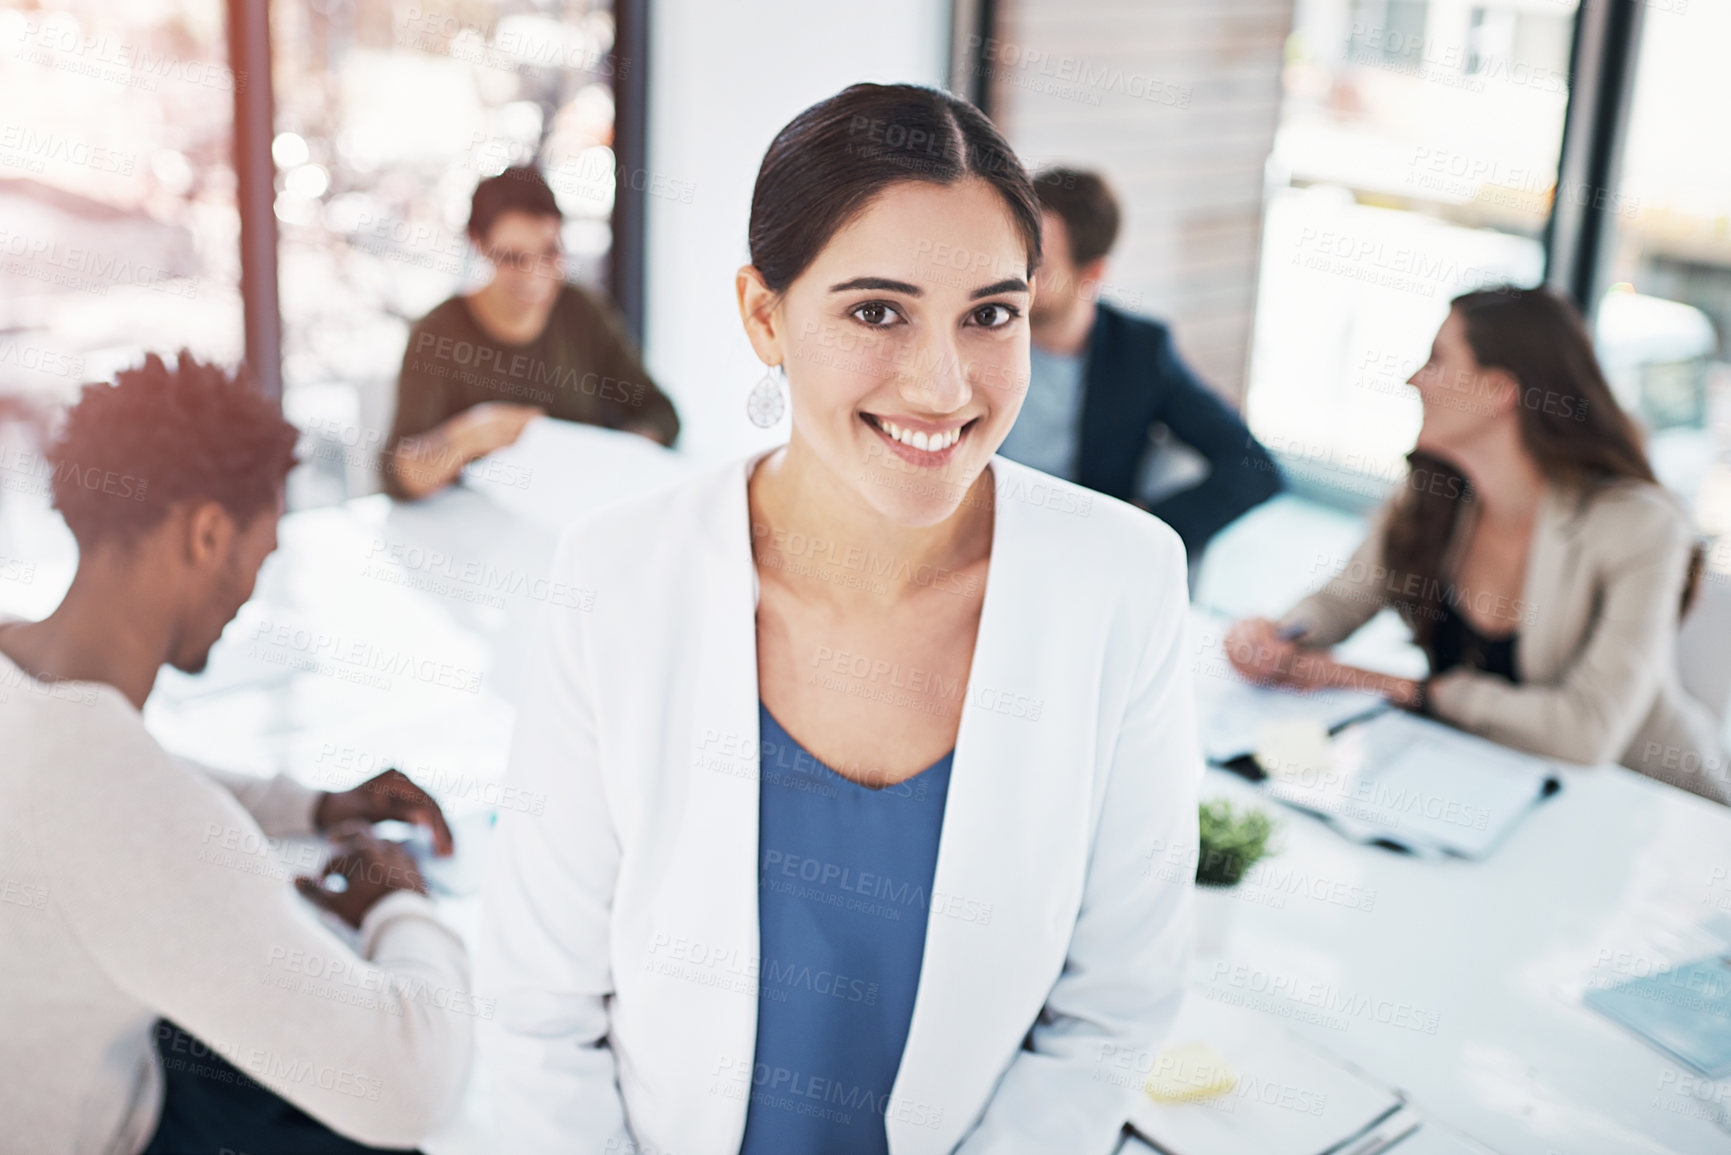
133, 886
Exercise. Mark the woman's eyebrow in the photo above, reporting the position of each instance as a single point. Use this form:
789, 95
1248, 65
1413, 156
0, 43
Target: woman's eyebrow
887, 285
1008, 285
884, 284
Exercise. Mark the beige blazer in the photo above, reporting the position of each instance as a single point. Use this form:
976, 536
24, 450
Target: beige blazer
1598, 633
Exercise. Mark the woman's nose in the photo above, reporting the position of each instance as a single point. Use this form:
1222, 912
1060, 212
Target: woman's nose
938, 380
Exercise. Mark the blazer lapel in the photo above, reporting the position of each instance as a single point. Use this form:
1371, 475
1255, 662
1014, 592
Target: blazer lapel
713, 681
1010, 866
1550, 562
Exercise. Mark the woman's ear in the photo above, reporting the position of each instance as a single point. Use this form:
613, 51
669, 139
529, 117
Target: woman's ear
758, 312
1502, 391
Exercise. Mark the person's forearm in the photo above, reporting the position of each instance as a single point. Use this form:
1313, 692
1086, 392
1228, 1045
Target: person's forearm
425, 464
1325, 673
283, 807
1198, 513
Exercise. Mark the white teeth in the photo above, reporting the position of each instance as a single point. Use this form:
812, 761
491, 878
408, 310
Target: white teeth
930, 443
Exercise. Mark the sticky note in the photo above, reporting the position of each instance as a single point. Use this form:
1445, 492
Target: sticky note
1189, 1072
1294, 748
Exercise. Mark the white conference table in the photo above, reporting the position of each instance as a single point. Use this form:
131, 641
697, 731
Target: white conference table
1460, 982
380, 636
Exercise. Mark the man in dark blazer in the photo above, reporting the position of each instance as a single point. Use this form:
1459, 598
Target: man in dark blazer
1104, 379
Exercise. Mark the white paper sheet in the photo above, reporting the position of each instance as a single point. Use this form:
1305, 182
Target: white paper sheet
1290, 1099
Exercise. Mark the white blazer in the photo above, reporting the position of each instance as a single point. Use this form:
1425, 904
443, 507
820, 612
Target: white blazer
621, 936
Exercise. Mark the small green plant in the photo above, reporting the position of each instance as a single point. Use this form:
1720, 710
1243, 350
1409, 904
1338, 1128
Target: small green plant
1233, 840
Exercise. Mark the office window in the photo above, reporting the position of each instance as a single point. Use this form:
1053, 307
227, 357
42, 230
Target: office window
1664, 325
1387, 33
387, 115
118, 223
1416, 158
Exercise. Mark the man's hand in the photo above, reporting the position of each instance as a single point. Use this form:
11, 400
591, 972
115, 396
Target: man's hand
370, 867
391, 795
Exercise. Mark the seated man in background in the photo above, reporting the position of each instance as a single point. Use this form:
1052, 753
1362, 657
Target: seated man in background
481, 366
141, 888
1103, 379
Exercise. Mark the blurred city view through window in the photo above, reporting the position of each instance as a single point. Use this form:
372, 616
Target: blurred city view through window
1664, 326
118, 227
1416, 158
388, 112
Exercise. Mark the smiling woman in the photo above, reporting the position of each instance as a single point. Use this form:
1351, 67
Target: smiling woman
898, 229
850, 802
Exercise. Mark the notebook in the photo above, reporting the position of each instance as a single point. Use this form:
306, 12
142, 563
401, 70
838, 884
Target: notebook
1280, 1096
1235, 713
1685, 1012
1417, 785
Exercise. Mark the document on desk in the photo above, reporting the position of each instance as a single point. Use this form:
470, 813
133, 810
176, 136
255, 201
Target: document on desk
1282, 1097
1234, 713
1685, 1012
1420, 785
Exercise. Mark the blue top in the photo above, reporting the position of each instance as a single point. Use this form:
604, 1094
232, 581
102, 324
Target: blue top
844, 882
1049, 427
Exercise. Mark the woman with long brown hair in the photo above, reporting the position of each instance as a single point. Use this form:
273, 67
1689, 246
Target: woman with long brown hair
1539, 564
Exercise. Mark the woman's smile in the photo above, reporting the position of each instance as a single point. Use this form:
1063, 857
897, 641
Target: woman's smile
923, 443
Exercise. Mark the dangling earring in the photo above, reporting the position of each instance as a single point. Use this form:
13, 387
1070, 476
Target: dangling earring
765, 404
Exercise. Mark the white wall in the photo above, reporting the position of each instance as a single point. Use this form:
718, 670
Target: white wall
724, 77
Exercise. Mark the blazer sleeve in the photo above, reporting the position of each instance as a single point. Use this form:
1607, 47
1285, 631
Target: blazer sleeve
1592, 714
1241, 474
1351, 597
548, 906
1124, 974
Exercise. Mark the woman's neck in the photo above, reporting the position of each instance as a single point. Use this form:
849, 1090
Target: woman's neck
1508, 484
794, 497
507, 320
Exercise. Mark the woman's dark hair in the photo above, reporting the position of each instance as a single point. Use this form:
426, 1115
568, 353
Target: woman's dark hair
520, 189
158, 436
1570, 423
827, 164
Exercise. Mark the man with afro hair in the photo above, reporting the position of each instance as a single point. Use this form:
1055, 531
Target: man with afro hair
149, 939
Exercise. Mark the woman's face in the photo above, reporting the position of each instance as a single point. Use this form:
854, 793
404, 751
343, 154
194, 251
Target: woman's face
528, 260
906, 346
1463, 402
